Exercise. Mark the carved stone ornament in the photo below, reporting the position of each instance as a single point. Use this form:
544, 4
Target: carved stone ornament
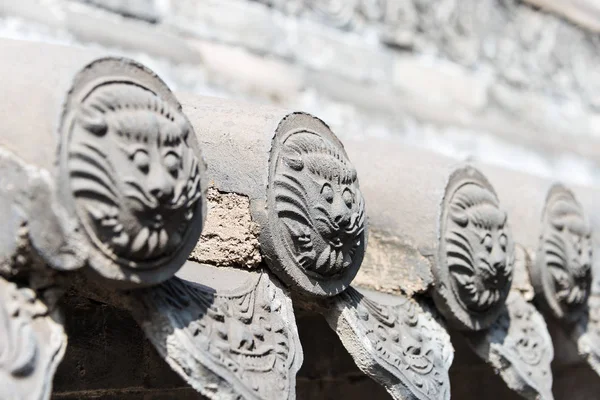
476, 253
227, 344
561, 274
395, 342
586, 333
519, 347
314, 238
131, 170
32, 344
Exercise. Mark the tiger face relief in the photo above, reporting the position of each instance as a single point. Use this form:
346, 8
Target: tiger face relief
565, 254
477, 246
319, 205
134, 178
318, 210
476, 250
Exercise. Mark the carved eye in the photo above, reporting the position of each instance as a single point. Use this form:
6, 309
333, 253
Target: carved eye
487, 242
503, 241
172, 163
141, 160
327, 193
348, 197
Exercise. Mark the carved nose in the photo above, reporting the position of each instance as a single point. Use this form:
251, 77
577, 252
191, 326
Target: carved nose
586, 260
498, 265
498, 259
161, 185
342, 220
162, 194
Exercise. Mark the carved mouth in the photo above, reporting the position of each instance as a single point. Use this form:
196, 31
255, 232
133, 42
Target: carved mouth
569, 288
478, 298
483, 299
420, 364
352, 232
336, 243
260, 360
572, 296
487, 298
151, 241
330, 262
157, 222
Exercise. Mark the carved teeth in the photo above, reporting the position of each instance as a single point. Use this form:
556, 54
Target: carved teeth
261, 360
152, 241
140, 240
163, 239
121, 240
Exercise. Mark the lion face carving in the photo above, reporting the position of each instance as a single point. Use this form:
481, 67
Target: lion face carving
566, 251
316, 230
476, 252
319, 204
478, 248
133, 175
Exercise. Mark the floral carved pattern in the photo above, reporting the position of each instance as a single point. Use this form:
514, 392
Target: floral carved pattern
476, 251
238, 345
519, 346
316, 209
399, 345
562, 273
133, 175
31, 347
586, 333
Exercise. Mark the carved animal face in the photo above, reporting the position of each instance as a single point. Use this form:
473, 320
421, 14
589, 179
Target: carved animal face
320, 204
478, 247
568, 252
135, 179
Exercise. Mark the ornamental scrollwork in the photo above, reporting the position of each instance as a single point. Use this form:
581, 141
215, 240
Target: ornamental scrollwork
586, 333
315, 237
476, 252
562, 272
519, 346
399, 344
240, 344
32, 345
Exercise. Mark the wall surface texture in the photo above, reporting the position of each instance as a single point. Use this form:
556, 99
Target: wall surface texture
502, 81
